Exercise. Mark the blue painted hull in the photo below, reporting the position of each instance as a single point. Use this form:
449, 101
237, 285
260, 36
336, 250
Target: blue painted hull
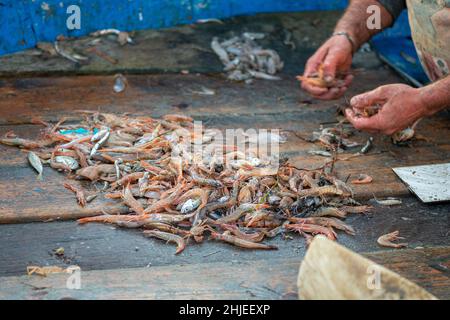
23, 23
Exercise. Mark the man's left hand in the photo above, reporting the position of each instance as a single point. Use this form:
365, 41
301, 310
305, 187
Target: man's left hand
401, 105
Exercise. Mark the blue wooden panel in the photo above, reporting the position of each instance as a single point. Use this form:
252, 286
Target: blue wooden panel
399, 29
16, 31
400, 53
49, 16
25, 22
228, 8
395, 44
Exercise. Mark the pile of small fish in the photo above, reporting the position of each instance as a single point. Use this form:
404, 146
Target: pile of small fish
177, 195
244, 59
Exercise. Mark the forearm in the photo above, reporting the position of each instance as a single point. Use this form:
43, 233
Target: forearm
436, 96
354, 21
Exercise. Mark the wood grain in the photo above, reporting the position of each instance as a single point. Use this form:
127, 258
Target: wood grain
258, 279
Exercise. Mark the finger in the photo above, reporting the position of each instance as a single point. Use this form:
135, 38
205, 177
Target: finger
348, 80
313, 63
367, 99
363, 123
332, 93
313, 90
330, 64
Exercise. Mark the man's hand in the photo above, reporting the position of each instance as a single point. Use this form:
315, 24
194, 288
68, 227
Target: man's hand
401, 105
335, 56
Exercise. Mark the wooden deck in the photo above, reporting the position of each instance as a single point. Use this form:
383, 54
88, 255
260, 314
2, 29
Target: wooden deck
37, 216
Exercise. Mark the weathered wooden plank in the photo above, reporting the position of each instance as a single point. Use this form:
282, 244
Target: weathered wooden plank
155, 95
99, 246
259, 279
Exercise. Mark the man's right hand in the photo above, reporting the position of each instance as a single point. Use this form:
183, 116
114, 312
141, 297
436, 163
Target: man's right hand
335, 56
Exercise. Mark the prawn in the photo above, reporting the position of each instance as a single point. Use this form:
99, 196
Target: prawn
169, 237
227, 237
386, 240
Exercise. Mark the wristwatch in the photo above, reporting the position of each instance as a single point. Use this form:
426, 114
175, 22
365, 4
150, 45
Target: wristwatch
349, 38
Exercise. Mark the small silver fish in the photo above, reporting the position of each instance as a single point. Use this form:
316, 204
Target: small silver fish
223, 199
220, 51
99, 134
120, 83
123, 37
320, 153
389, 202
262, 75
68, 161
274, 200
208, 20
36, 163
254, 35
99, 144
190, 205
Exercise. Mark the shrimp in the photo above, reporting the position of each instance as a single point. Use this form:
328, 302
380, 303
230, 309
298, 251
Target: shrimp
129, 178
150, 168
165, 202
386, 240
169, 237
318, 80
177, 118
314, 229
227, 237
320, 191
330, 211
25, 143
355, 209
142, 219
95, 172
130, 201
206, 182
245, 195
176, 163
258, 172
196, 192
325, 222
79, 193
253, 237
363, 179
240, 212
253, 217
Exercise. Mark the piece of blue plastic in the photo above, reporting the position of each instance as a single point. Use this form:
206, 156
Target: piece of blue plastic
78, 131
396, 48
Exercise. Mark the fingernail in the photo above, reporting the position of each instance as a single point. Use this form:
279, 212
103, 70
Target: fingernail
328, 78
353, 100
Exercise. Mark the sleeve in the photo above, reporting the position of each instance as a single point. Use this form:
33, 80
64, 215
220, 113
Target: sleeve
394, 7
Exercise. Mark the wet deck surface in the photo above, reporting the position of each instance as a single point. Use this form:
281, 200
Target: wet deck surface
24, 201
